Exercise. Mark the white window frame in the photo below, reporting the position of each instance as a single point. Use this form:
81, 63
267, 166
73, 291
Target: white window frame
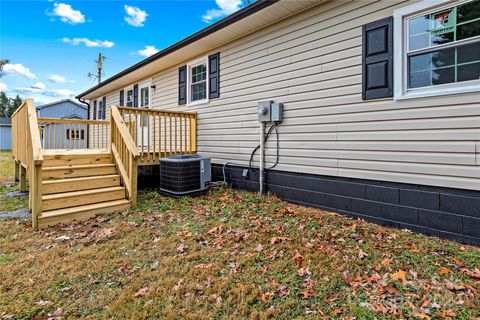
98, 115
400, 71
125, 95
145, 84
190, 65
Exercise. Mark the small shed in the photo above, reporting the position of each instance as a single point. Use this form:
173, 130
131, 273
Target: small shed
5, 133
63, 135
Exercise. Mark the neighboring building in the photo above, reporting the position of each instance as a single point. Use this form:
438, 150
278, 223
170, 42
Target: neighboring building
381, 104
5, 133
63, 135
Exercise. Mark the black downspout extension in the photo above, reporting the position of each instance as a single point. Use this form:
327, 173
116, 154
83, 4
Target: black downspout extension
88, 117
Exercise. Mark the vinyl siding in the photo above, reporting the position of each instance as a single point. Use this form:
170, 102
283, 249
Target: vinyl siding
311, 62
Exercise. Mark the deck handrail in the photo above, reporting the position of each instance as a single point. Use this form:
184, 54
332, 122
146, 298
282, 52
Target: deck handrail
61, 133
27, 150
124, 152
161, 133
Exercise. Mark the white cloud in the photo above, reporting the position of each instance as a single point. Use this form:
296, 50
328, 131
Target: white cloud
225, 7
147, 51
3, 86
49, 93
88, 42
135, 16
18, 69
57, 78
67, 13
39, 85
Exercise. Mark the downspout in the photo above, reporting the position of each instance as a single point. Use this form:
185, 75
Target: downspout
88, 118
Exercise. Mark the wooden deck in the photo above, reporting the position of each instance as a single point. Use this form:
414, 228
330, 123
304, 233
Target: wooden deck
71, 179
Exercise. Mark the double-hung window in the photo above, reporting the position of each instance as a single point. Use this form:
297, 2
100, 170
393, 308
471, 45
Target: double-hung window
100, 110
437, 47
197, 82
129, 98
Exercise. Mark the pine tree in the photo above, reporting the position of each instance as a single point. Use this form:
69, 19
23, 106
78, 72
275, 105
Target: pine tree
14, 104
4, 104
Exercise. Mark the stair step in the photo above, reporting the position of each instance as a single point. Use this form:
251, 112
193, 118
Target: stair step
54, 158
77, 184
80, 212
74, 171
79, 198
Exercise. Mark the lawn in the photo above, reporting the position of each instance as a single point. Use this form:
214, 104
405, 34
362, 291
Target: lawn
232, 255
7, 173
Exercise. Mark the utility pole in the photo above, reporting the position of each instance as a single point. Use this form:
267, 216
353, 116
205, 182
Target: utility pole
99, 62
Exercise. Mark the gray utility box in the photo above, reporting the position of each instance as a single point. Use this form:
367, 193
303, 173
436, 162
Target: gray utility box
184, 174
270, 111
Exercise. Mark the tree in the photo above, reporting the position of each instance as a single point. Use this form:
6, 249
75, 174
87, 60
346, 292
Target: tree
14, 104
8, 105
2, 63
4, 104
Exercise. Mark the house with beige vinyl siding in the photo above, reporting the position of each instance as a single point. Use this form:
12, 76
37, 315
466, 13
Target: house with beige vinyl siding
381, 105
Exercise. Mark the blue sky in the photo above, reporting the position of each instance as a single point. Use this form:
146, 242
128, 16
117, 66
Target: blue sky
52, 45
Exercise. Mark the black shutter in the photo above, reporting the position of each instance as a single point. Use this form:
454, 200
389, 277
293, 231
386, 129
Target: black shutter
135, 96
95, 110
121, 98
377, 64
182, 85
214, 76
104, 109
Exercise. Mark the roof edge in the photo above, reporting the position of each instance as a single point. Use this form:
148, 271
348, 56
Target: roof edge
220, 24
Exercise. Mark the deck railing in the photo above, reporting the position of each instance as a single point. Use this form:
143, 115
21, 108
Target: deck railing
125, 153
27, 151
161, 133
57, 133
133, 136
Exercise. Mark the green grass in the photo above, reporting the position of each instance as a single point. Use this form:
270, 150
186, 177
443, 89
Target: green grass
7, 169
7, 173
233, 255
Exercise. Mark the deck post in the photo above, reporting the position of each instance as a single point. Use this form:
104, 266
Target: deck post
37, 192
17, 171
133, 182
23, 179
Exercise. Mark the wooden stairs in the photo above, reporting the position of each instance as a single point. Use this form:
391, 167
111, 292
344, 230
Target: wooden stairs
72, 178
78, 185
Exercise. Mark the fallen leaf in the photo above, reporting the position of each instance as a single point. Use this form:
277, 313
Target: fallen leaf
386, 262
303, 271
259, 247
473, 274
362, 254
444, 271
275, 240
141, 293
179, 284
204, 266
181, 248
336, 311
307, 294
43, 303
400, 275
450, 313
298, 258
56, 315
266, 296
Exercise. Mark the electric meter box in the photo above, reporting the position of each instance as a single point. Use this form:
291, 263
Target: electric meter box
264, 111
276, 112
269, 111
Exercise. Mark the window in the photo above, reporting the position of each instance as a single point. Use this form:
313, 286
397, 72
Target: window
130, 98
440, 49
100, 111
75, 134
197, 82
145, 96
